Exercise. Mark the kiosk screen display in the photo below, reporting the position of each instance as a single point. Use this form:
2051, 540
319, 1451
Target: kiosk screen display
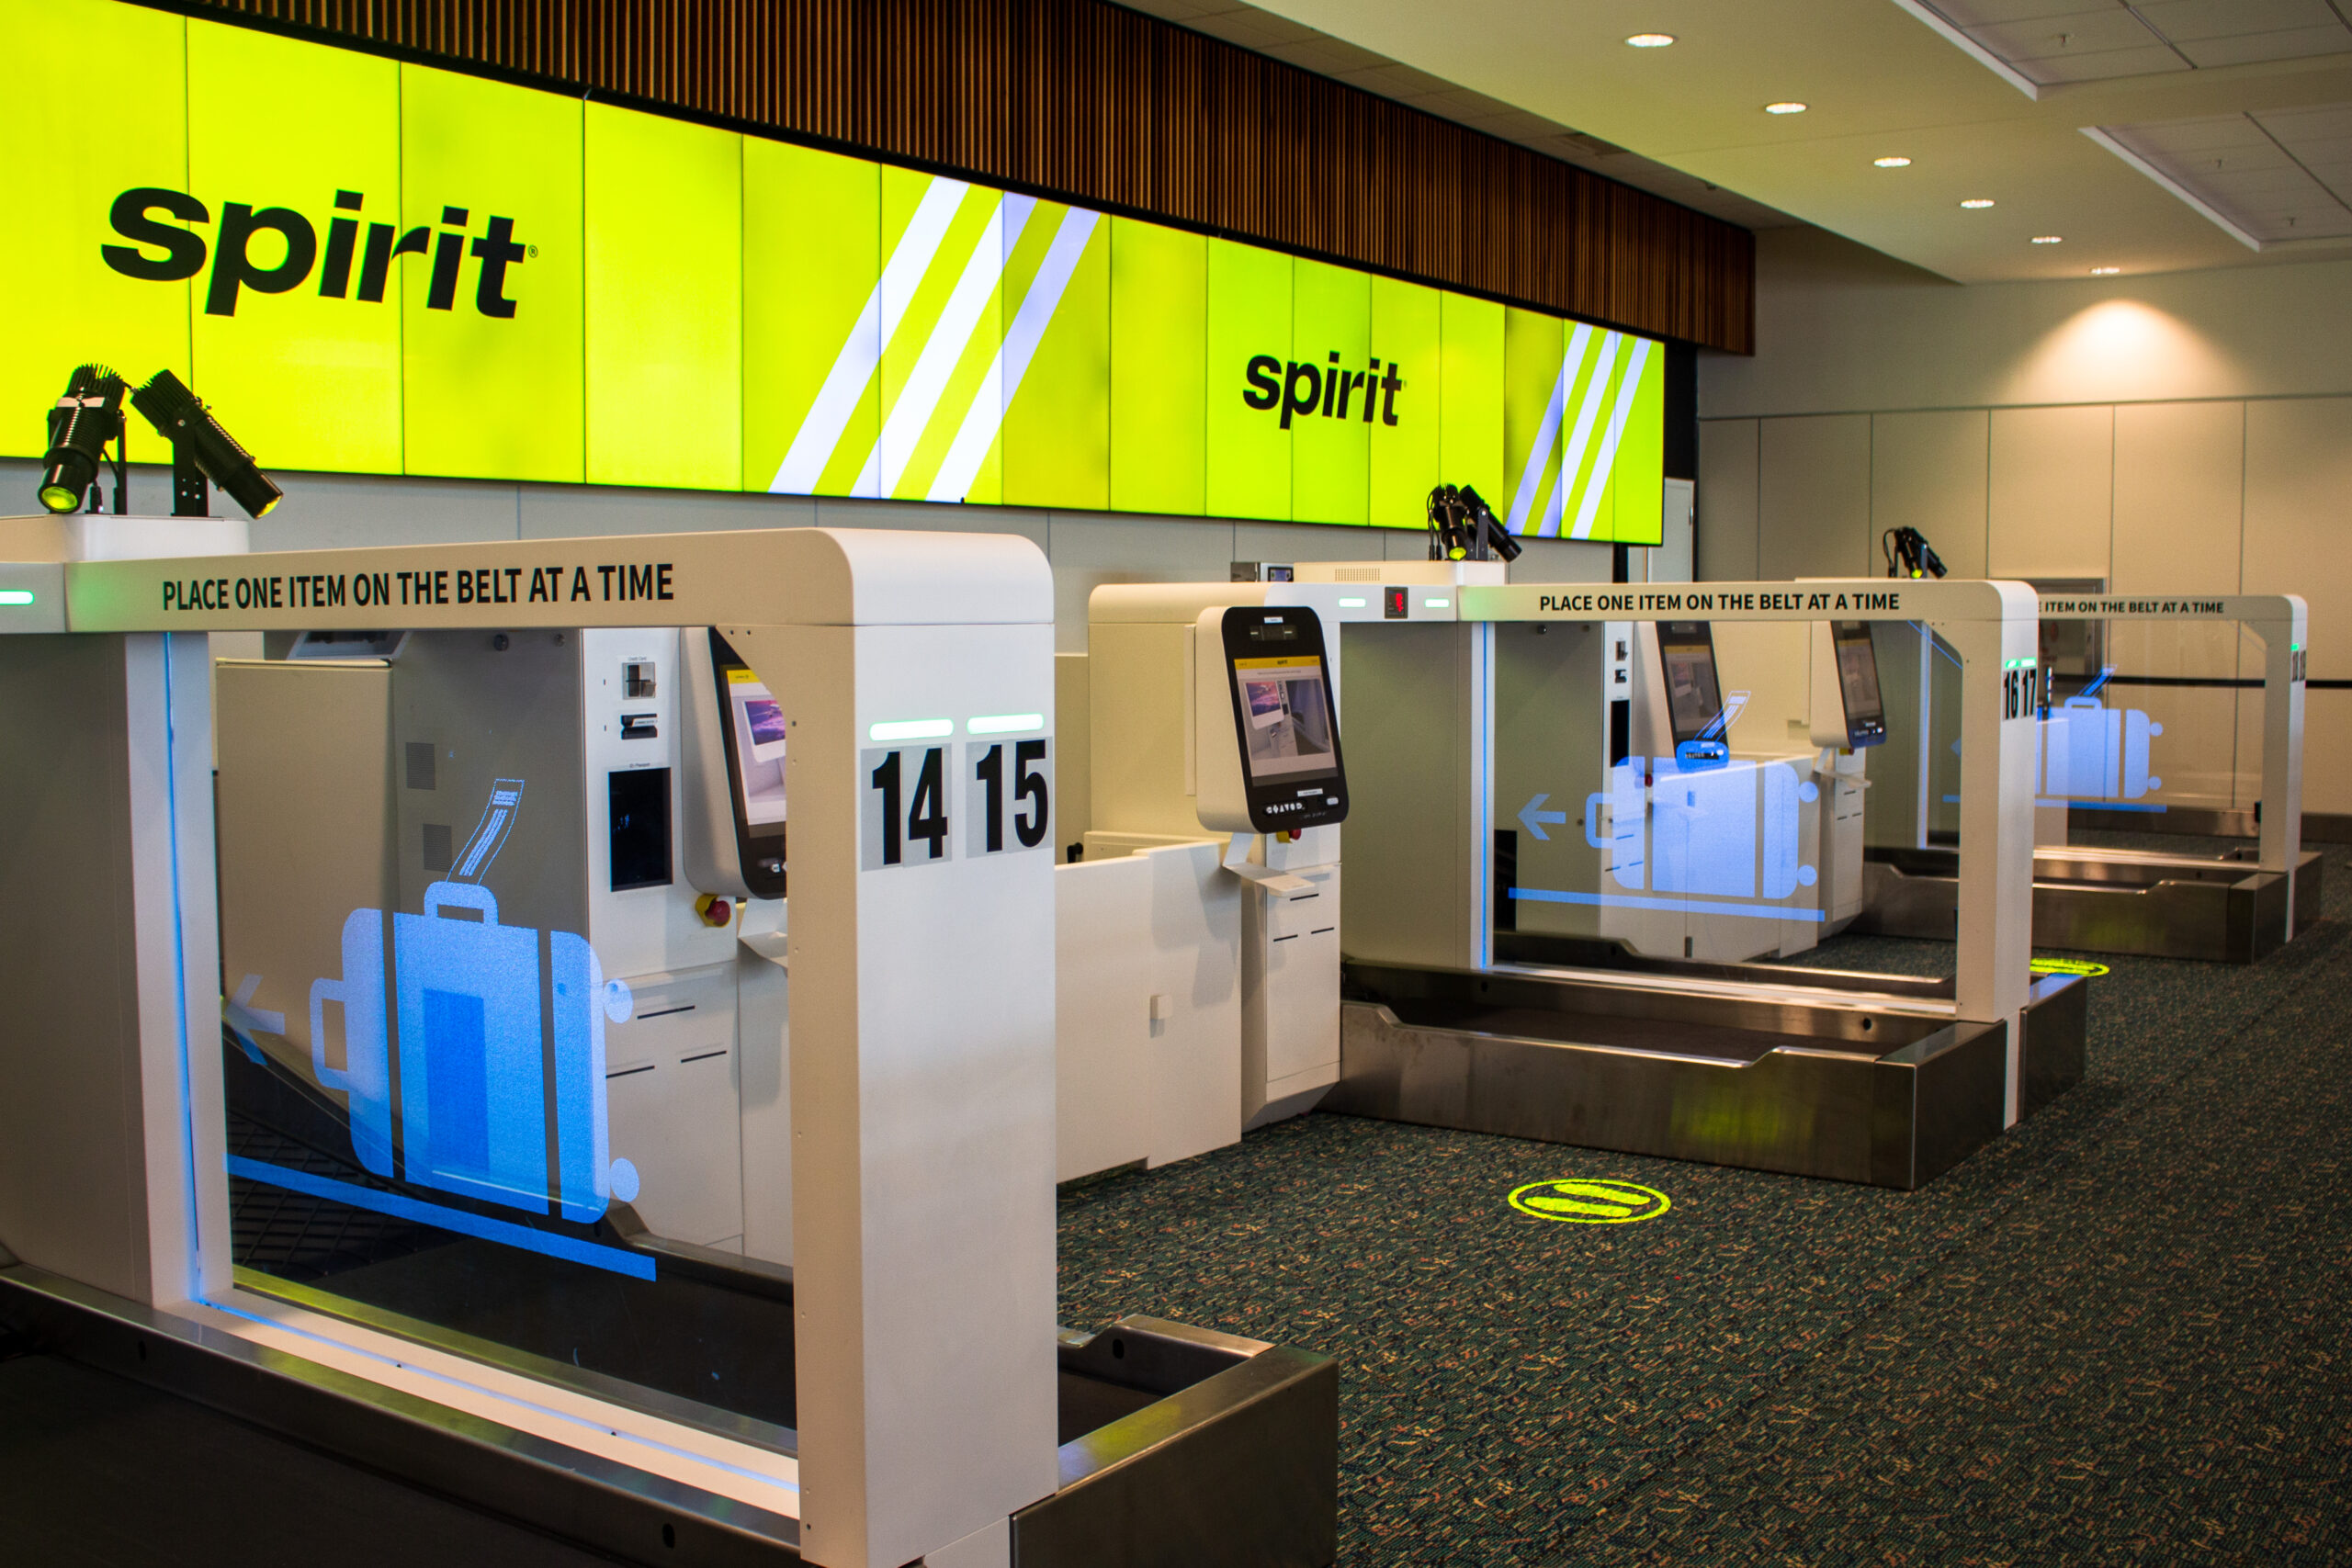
1693, 695
755, 729
1857, 683
1287, 724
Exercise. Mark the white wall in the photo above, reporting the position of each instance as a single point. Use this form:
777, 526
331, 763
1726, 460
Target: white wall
2188, 431
322, 511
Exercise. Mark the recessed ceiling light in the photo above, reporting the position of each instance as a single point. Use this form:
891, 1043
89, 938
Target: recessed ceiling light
2047, 239
1891, 163
1784, 107
1974, 202
2104, 271
1650, 40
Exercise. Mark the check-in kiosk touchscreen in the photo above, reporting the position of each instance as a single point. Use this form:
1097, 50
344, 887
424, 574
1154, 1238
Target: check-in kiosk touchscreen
754, 728
1858, 683
1694, 698
1284, 714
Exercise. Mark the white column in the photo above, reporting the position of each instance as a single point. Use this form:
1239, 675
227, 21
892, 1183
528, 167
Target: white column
2282, 745
922, 1051
1997, 795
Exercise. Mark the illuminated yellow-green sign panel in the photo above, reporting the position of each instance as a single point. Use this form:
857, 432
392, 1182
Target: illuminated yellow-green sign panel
373, 267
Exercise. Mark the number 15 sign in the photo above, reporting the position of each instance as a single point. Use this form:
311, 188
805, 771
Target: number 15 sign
910, 814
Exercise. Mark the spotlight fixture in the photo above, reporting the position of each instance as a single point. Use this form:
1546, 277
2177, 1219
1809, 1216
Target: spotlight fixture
1908, 554
2048, 239
88, 417
2104, 271
1464, 527
1977, 203
1891, 163
1785, 106
201, 450
1650, 40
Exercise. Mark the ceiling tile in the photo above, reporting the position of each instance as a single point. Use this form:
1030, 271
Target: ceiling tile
2183, 20
1969, 14
2222, 133
2287, 182
2105, 65
2045, 37
2298, 43
2318, 123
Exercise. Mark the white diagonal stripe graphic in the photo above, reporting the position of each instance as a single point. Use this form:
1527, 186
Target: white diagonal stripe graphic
1595, 390
998, 387
1627, 390
1524, 501
821, 429
917, 400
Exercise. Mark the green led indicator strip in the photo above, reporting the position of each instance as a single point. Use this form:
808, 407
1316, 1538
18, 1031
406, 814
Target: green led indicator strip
1006, 723
16, 596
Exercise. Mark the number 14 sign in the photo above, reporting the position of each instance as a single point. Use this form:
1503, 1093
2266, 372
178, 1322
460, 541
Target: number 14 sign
909, 818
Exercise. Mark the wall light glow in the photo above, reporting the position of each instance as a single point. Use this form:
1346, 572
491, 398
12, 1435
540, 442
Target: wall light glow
2120, 349
1891, 163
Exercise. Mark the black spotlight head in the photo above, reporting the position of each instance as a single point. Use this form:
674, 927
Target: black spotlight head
88, 417
182, 418
1484, 523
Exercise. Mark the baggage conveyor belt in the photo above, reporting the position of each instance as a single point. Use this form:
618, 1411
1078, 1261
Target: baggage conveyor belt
2221, 907
1857, 1078
1178, 1446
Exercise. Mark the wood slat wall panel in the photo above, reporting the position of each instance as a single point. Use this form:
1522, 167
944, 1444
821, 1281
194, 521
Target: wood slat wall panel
1084, 101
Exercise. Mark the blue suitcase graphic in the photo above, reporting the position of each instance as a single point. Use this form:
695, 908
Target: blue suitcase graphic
475, 1055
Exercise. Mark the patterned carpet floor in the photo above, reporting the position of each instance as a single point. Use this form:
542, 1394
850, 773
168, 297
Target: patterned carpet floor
2117, 1335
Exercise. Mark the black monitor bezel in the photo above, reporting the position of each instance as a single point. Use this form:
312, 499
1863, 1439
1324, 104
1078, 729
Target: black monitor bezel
751, 847
1704, 635
1275, 804
1864, 730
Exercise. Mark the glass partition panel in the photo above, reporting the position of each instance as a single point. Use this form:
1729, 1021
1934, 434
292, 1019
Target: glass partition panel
1631, 833
2150, 728
495, 1071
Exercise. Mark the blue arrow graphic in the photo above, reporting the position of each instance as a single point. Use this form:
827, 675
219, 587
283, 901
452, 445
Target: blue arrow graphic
1533, 819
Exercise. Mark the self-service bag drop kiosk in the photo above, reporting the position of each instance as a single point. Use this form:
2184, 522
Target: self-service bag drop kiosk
1205, 722
1453, 728
2101, 755
925, 1417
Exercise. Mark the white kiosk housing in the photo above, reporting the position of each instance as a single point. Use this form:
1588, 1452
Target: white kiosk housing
470, 1065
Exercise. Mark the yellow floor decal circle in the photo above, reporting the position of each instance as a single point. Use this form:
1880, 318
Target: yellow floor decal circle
2067, 966
1584, 1202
